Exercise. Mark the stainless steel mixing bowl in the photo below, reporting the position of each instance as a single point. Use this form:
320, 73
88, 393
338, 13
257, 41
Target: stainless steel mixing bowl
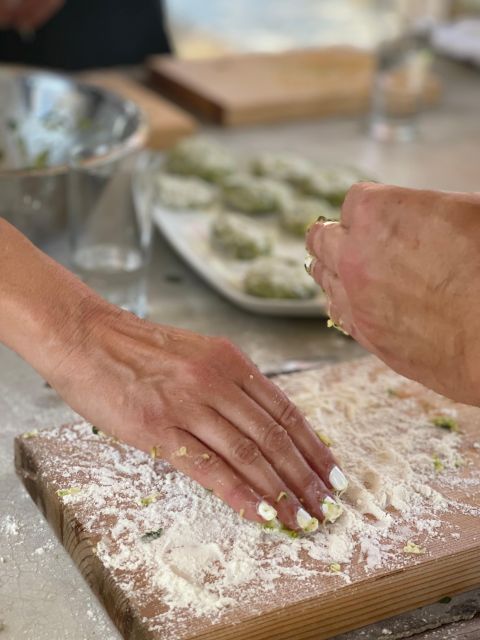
45, 120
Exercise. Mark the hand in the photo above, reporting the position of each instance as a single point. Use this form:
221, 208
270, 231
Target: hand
402, 274
202, 405
27, 15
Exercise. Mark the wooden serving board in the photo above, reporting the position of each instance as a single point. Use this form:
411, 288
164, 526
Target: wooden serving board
370, 413
253, 88
168, 123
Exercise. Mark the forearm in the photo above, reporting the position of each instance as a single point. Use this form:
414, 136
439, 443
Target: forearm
43, 307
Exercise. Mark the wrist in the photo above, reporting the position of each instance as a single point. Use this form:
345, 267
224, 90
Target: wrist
45, 309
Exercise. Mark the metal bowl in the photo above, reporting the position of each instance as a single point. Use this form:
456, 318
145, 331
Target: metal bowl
45, 120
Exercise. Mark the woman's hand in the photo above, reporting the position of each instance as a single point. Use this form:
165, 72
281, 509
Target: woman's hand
402, 274
27, 15
201, 404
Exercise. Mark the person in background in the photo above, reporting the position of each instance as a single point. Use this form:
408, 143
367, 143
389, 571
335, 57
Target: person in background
73, 35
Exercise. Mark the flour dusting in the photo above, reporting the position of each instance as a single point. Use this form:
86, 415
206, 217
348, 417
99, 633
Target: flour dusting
187, 556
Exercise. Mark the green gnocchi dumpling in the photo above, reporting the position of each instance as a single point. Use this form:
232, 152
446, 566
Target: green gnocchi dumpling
236, 236
255, 195
279, 278
285, 167
331, 183
184, 192
201, 157
302, 213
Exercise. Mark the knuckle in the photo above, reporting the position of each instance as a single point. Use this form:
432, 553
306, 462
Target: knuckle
245, 451
288, 414
309, 482
207, 463
277, 440
227, 350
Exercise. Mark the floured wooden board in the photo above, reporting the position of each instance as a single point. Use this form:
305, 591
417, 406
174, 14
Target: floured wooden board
206, 574
264, 87
168, 123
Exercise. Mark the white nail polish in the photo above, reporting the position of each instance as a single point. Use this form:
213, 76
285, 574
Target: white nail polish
309, 260
306, 522
266, 511
332, 509
337, 479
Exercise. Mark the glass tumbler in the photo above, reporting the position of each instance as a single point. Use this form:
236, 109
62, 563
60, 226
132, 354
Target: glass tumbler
110, 233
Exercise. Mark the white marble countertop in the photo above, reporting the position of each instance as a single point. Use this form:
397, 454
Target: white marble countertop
42, 595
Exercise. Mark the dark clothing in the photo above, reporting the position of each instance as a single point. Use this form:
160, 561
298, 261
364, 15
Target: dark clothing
91, 33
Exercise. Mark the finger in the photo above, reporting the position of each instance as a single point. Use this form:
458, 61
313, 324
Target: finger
278, 406
191, 456
356, 203
325, 242
32, 14
247, 460
339, 309
278, 448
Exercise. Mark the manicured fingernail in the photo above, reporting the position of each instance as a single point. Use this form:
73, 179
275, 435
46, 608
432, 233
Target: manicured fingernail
337, 479
266, 511
332, 509
308, 264
306, 521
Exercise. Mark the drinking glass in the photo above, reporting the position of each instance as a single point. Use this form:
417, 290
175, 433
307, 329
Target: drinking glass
110, 234
403, 64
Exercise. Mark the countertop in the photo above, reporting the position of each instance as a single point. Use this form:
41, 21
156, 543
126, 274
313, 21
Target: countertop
42, 595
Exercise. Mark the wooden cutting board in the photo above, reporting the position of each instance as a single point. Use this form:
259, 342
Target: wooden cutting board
253, 88
168, 123
100, 523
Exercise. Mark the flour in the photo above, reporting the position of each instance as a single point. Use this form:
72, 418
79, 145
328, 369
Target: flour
208, 562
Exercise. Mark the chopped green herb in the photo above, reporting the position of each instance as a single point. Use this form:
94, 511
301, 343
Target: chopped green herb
438, 464
411, 547
324, 438
96, 431
30, 434
152, 535
281, 496
445, 600
68, 492
289, 532
148, 500
332, 325
392, 392
335, 567
445, 422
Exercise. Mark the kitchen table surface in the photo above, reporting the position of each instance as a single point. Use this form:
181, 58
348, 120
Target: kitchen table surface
42, 595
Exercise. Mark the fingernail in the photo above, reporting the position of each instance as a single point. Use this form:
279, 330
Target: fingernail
306, 521
308, 264
266, 511
337, 479
332, 509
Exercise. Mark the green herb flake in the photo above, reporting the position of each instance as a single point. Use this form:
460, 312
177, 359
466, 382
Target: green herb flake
438, 464
335, 567
30, 434
147, 500
281, 496
96, 431
413, 548
327, 441
152, 535
445, 600
332, 325
446, 422
72, 491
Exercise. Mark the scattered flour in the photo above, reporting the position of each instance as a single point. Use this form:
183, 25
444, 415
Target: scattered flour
208, 562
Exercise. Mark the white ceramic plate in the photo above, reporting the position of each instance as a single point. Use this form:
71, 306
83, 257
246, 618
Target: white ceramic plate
188, 233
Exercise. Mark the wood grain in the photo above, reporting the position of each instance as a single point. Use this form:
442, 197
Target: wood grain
253, 88
168, 123
331, 607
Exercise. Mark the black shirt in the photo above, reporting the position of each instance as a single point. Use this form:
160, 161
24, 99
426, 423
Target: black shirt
91, 33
